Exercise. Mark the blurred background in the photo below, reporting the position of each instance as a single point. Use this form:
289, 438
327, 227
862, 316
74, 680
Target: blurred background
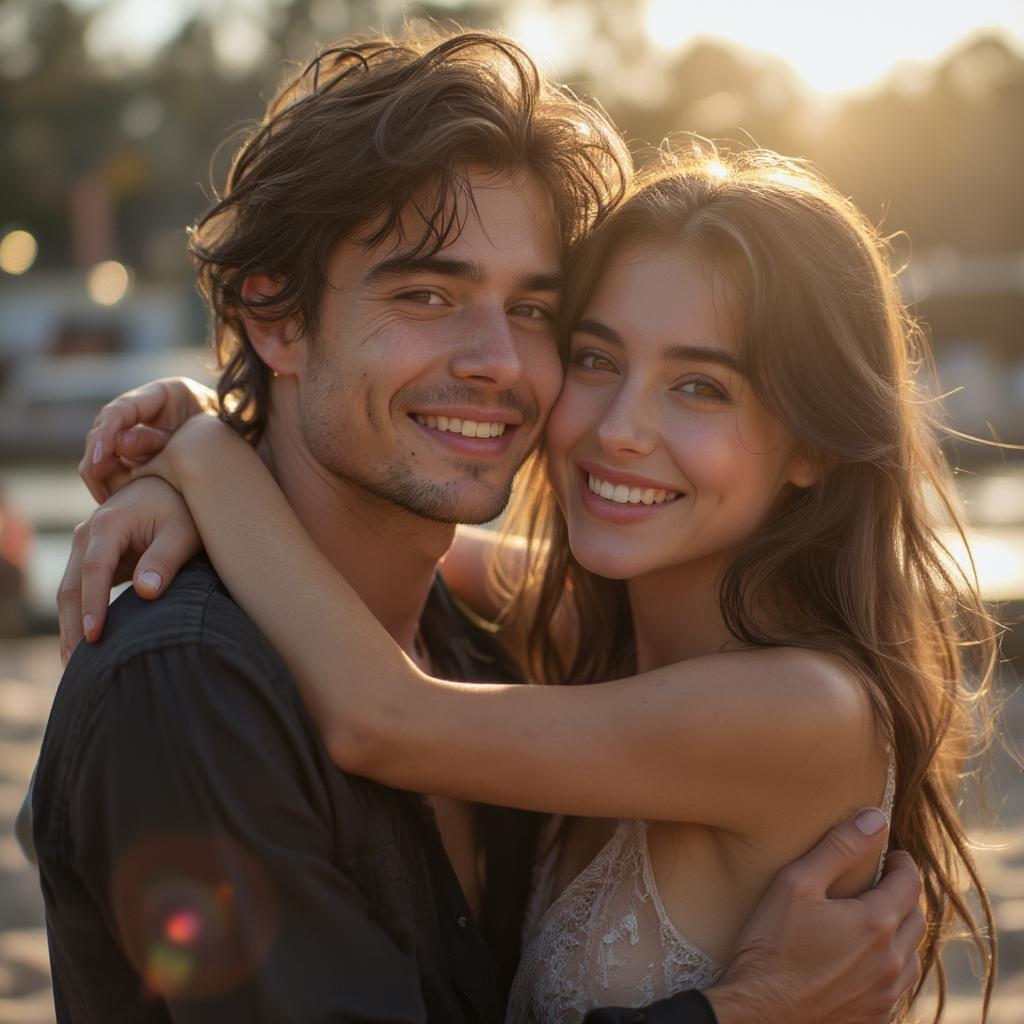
111, 113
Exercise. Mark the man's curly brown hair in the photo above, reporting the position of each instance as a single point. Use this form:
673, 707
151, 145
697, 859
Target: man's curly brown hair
366, 128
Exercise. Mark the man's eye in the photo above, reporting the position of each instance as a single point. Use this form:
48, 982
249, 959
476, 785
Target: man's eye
424, 297
593, 361
704, 390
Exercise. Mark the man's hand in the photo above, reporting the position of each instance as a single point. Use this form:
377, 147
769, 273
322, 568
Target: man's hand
806, 959
144, 533
136, 426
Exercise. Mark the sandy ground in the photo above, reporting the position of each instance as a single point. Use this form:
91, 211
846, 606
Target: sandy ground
29, 670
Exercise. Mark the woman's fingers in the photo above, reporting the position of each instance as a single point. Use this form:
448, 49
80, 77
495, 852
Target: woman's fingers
141, 442
174, 544
69, 594
108, 543
100, 460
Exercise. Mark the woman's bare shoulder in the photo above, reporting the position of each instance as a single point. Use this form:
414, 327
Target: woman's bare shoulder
799, 706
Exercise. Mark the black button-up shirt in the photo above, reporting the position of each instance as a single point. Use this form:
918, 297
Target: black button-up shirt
203, 860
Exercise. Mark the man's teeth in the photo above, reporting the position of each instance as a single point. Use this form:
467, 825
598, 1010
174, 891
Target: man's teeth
629, 495
467, 428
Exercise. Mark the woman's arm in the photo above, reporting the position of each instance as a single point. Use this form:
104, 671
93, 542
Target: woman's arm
724, 740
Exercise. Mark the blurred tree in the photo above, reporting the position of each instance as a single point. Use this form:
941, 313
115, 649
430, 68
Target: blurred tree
937, 151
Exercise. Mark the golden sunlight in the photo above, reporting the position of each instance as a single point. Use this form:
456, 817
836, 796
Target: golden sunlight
834, 48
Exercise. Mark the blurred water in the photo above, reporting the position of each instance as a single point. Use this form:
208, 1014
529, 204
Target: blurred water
54, 499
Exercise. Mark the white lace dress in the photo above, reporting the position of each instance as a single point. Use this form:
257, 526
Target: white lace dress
607, 939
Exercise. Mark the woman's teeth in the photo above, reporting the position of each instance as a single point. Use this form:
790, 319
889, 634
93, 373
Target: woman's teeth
467, 428
629, 495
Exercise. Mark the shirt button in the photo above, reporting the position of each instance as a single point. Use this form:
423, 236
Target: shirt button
462, 921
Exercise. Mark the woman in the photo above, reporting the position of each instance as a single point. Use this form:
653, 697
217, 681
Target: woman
743, 552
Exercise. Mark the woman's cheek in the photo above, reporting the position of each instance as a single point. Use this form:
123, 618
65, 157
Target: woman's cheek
706, 450
568, 423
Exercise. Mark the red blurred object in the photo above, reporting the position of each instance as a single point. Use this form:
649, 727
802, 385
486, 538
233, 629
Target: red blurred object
16, 536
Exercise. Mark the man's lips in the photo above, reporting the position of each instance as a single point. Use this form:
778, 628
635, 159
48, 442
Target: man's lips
466, 435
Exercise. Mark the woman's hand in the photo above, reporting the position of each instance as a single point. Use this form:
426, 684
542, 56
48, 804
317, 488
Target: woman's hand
133, 428
144, 533
194, 453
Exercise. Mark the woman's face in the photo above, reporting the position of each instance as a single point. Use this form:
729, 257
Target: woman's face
659, 452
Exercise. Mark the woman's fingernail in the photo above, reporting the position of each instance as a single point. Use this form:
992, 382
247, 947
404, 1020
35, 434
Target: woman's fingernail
97, 452
151, 579
870, 822
88, 624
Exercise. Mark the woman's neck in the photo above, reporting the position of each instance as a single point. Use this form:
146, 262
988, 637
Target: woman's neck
677, 614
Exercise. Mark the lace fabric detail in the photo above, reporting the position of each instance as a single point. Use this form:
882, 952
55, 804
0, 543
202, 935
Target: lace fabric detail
887, 802
606, 941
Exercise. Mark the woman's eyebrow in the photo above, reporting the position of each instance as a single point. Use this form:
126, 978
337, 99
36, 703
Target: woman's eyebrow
689, 353
704, 354
599, 330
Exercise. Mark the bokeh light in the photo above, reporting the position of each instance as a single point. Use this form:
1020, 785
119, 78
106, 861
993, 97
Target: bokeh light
183, 927
169, 970
108, 282
18, 252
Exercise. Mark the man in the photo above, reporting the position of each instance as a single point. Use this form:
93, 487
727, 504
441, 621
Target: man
389, 240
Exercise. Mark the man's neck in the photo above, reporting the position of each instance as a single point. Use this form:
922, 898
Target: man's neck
387, 554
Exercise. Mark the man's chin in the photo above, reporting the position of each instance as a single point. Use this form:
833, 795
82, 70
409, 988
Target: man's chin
464, 501
471, 510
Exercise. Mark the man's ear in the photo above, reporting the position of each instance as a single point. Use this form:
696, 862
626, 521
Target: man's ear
272, 338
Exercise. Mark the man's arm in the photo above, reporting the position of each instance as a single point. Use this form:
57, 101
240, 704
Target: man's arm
202, 828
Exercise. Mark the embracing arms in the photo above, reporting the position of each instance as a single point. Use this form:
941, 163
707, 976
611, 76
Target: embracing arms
804, 957
740, 723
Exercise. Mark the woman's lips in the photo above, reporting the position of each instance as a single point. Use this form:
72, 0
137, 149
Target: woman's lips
610, 510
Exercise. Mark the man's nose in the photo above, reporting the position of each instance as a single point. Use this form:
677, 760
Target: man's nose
489, 352
626, 427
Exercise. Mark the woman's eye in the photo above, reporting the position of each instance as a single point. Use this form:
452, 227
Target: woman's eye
703, 389
593, 361
424, 296
530, 311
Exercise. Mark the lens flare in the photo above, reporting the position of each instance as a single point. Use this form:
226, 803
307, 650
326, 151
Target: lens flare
168, 970
183, 927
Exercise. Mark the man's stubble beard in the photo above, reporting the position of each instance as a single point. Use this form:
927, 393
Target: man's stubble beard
395, 481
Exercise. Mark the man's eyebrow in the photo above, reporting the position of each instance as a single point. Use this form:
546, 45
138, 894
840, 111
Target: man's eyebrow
446, 266
402, 266
543, 281
690, 353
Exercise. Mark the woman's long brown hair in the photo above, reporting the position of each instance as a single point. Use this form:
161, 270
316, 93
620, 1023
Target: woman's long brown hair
857, 565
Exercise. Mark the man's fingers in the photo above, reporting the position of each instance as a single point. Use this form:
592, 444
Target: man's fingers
910, 933
843, 847
909, 977
899, 891
163, 559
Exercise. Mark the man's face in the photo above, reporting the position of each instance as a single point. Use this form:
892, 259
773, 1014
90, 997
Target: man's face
431, 377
